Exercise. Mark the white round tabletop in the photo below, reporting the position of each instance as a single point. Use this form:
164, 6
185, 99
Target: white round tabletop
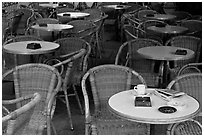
162, 17
164, 53
52, 27
117, 7
122, 104
21, 47
168, 29
73, 14
49, 5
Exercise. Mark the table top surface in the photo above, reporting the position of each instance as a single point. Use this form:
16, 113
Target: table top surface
117, 7
162, 17
122, 104
164, 53
20, 47
74, 14
168, 29
49, 5
52, 27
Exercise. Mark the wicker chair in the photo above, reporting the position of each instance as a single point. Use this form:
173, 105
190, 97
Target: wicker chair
192, 85
20, 121
105, 81
181, 16
188, 42
22, 59
194, 27
190, 68
41, 78
19, 20
64, 64
127, 55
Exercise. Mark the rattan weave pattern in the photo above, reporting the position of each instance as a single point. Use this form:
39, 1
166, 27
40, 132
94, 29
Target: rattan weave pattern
41, 78
107, 80
20, 121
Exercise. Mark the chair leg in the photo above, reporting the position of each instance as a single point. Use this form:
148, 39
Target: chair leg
53, 128
68, 110
77, 98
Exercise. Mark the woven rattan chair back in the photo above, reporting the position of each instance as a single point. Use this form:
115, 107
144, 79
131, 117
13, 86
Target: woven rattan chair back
22, 59
194, 27
41, 78
190, 68
105, 81
80, 28
21, 121
151, 34
72, 44
188, 42
19, 21
95, 14
130, 32
181, 16
189, 83
128, 56
143, 13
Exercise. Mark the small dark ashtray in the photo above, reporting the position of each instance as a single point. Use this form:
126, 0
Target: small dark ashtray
43, 25
180, 52
66, 14
143, 102
119, 6
150, 15
167, 109
160, 25
33, 46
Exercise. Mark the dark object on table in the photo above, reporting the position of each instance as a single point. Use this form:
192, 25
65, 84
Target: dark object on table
33, 46
66, 14
143, 102
43, 25
150, 15
167, 109
180, 52
160, 25
119, 6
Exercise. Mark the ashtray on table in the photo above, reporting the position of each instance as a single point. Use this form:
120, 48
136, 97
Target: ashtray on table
150, 15
167, 109
43, 25
66, 14
33, 46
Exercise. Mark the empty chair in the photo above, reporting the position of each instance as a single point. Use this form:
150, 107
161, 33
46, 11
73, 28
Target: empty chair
127, 55
190, 68
132, 32
189, 42
41, 78
194, 27
181, 16
21, 120
192, 85
105, 81
66, 63
150, 34
18, 21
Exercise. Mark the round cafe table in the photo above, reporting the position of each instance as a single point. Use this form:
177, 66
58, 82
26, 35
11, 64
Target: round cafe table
20, 48
168, 31
162, 17
73, 15
164, 54
53, 28
122, 104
